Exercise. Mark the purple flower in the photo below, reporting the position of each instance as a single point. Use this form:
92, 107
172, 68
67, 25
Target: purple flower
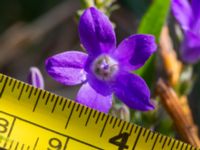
106, 68
188, 16
35, 78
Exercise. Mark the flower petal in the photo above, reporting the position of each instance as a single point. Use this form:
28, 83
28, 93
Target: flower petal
135, 50
190, 50
182, 12
102, 87
89, 97
195, 8
67, 67
133, 91
96, 32
35, 78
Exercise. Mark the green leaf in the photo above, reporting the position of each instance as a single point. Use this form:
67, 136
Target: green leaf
152, 23
155, 18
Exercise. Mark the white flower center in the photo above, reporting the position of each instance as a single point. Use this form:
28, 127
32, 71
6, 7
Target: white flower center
105, 67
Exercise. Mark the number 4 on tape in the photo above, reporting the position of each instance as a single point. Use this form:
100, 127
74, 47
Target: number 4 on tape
34, 119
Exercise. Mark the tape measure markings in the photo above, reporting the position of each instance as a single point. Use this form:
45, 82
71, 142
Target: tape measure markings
61, 100
72, 110
1, 79
165, 140
30, 93
174, 144
88, 117
50, 130
54, 106
21, 92
36, 142
122, 127
156, 141
18, 86
16, 145
177, 145
114, 132
153, 136
182, 146
136, 129
120, 121
13, 122
5, 124
27, 88
38, 97
160, 139
37, 103
104, 124
64, 105
169, 142
6, 80
134, 145
48, 96
144, 133
12, 142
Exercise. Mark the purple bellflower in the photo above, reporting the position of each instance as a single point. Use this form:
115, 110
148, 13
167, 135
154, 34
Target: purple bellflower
35, 78
188, 16
106, 68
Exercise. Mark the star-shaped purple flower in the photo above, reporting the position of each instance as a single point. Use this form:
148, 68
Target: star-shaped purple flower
106, 69
188, 16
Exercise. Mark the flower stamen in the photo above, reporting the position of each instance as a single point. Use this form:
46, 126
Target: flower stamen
105, 67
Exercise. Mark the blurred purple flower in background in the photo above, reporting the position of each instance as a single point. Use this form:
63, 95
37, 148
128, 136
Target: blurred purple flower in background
105, 69
35, 78
188, 16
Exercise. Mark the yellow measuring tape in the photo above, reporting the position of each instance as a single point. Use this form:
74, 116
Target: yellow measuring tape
34, 119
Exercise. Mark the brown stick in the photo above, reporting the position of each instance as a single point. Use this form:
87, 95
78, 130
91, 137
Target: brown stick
170, 101
172, 67
171, 64
13, 41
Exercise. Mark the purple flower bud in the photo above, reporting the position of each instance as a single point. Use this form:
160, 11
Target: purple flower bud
114, 111
35, 78
124, 113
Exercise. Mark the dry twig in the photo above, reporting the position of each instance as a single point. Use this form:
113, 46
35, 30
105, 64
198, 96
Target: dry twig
186, 128
171, 64
179, 110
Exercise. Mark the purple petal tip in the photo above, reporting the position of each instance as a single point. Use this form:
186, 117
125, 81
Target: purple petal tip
35, 78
